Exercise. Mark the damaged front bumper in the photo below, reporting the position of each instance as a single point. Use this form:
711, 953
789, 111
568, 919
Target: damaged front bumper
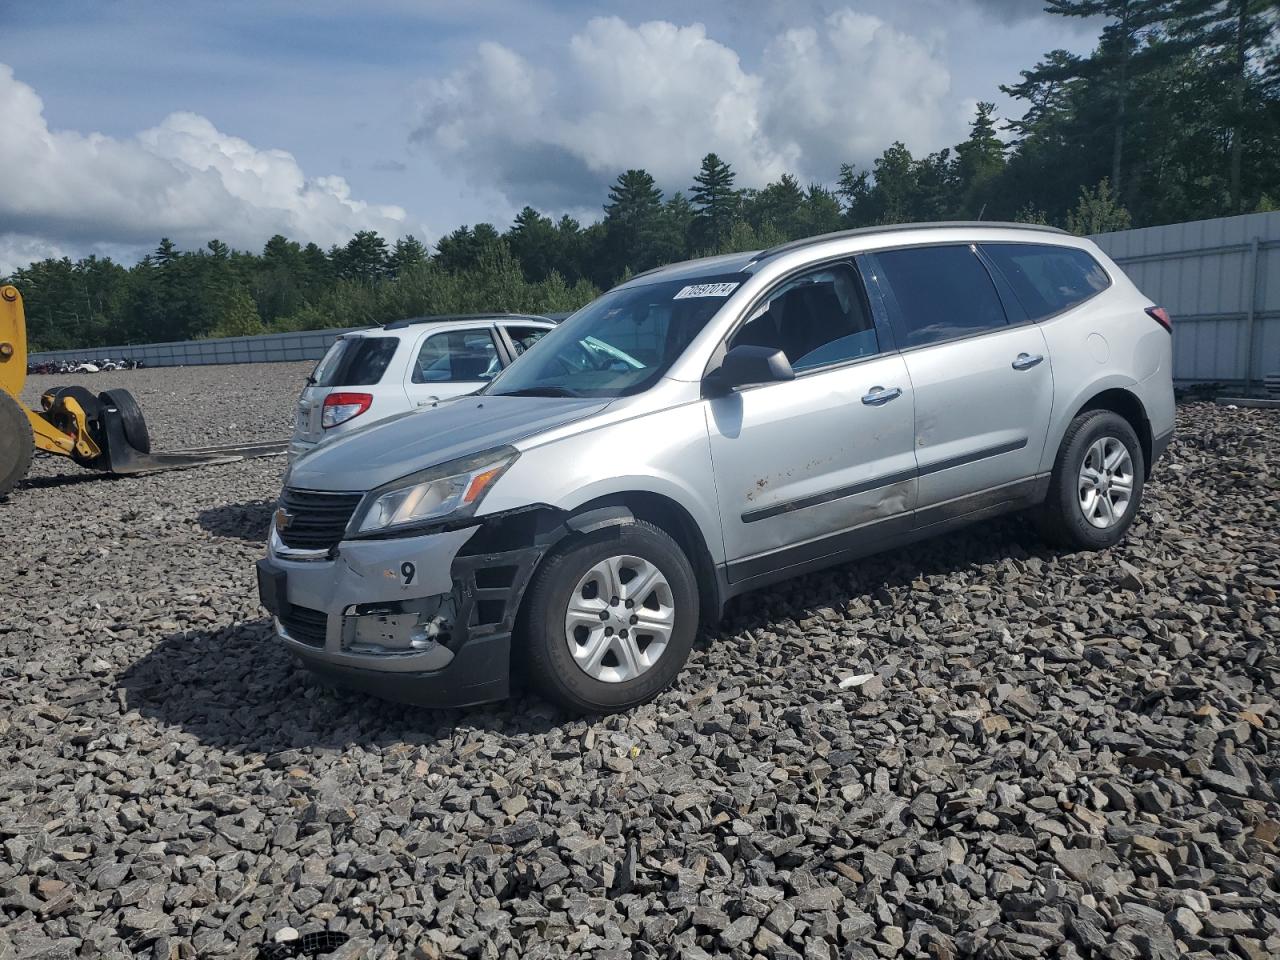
424, 620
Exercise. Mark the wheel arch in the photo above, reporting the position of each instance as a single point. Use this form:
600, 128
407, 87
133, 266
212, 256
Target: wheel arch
1115, 393
668, 515
1124, 403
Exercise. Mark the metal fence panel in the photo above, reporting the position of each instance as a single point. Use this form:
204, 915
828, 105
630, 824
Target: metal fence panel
1220, 279
266, 348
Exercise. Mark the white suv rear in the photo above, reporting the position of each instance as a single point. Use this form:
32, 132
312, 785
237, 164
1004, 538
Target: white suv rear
376, 373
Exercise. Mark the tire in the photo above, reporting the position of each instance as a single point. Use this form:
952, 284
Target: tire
17, 444
621, 677
135, 427
1092, 437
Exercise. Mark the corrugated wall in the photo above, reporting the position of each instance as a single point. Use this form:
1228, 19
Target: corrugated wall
1220, 279
267, 348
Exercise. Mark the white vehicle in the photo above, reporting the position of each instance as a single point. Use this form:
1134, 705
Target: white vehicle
373, 374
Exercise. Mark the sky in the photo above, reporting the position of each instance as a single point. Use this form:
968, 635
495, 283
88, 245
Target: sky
123, 121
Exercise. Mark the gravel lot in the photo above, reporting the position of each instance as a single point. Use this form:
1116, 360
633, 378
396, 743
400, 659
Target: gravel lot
1052, 756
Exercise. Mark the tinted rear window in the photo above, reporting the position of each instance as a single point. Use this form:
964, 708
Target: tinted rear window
355, 362
939, 293
1048, 279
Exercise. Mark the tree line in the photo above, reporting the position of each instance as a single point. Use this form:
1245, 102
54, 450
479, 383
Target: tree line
1175, 115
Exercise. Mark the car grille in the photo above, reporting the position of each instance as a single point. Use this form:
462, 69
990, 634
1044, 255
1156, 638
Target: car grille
317, 520
305, 625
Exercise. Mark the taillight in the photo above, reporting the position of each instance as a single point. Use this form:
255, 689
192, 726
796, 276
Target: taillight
341, 407
1161, 316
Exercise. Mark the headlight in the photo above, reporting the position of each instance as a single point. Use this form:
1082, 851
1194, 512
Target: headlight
453, 489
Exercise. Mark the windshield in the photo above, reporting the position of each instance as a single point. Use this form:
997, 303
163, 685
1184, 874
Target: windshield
619, 344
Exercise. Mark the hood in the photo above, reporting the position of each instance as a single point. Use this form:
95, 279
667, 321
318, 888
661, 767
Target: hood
404, 444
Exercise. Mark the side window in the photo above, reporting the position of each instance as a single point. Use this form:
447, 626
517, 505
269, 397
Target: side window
1048, 279
522, 338
941, 293
456, 356
816, 319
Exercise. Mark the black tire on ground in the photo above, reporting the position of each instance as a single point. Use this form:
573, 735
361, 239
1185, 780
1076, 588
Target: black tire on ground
542, 637
17, 445
1062, 519
135, 427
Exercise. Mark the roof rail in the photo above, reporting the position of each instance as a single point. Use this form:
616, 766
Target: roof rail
459, 318
895, 227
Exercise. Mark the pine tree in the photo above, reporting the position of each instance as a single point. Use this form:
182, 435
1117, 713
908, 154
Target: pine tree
979, 162
854, 190
1129, 24
631, 223
780, 204
1234, 38
364, 258
715, 201
408, 252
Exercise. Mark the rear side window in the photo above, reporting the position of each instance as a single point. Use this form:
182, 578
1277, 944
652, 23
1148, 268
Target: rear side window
459, 355
1048, 279
938, 294
522, 338
355, 362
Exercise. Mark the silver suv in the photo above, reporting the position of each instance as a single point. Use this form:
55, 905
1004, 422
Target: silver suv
711, 427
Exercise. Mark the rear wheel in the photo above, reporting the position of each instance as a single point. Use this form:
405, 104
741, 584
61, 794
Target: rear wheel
16, 443
1097, 483
135, 427
610, 619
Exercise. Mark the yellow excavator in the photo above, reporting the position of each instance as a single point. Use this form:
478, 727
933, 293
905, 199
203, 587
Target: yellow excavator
103, 431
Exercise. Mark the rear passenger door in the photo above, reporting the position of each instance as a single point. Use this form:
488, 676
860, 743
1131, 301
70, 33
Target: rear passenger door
450, 363
983, 386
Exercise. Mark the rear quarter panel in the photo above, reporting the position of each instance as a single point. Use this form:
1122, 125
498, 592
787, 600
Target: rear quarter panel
1108, 342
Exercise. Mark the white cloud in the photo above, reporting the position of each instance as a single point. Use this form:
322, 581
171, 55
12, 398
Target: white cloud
184, 179
660, 96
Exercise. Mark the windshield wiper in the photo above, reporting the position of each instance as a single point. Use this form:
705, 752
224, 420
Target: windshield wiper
540, 392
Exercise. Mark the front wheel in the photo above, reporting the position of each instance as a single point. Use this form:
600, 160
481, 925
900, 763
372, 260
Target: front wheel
610, 619
1097, 483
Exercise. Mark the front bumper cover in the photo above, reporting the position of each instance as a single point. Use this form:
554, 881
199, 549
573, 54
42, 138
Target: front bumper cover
316, 603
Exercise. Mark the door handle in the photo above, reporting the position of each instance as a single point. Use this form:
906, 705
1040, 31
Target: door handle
428, 402
1026, 361
879, 396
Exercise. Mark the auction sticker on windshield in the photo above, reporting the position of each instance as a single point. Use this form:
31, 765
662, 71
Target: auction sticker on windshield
706, 290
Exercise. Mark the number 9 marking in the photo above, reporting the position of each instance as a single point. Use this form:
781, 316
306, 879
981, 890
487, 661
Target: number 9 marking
407, 572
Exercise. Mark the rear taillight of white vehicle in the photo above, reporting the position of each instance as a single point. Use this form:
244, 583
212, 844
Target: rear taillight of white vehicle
341, 407
1161, 316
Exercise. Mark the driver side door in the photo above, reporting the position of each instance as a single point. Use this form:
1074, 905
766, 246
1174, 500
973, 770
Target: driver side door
807, 468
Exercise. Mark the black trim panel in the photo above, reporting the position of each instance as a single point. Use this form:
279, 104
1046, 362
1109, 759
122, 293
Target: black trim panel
853, 489
974, 457
839, 493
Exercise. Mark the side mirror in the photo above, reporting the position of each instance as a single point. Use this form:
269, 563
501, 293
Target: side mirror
748, 365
